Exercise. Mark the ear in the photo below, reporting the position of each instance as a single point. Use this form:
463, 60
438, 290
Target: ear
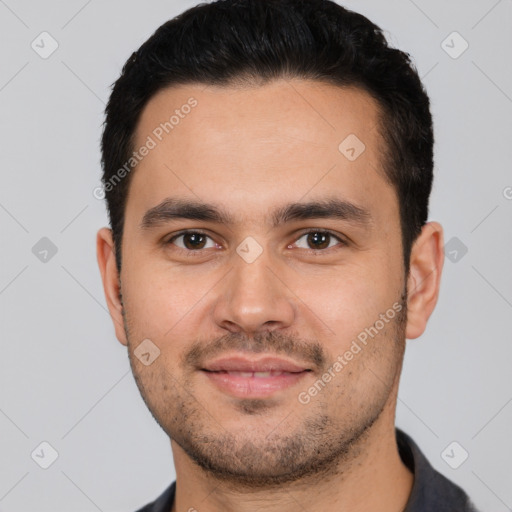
110, 276
423, 282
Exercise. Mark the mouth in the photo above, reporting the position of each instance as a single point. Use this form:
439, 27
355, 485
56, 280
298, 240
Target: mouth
257, 378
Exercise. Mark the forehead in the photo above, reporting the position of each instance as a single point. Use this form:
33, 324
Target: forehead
303, 109
257, 144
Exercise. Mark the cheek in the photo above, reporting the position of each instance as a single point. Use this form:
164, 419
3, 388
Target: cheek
157, 299
347, 299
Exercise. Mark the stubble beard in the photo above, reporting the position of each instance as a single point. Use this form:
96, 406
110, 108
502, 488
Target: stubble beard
320, 446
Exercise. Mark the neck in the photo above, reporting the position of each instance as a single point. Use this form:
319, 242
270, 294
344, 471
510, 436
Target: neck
374, 478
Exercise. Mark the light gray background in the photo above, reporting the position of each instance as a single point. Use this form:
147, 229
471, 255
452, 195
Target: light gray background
65, 379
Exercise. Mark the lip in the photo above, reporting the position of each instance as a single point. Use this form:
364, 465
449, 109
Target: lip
253, 378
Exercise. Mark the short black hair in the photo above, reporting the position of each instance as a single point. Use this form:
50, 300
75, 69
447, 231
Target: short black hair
236, 42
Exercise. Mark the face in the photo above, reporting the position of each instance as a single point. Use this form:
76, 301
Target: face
262, 258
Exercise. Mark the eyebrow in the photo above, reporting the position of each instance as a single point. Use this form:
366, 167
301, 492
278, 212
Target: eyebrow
177, 209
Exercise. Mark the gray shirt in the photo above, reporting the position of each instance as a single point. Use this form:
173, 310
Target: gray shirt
431, 491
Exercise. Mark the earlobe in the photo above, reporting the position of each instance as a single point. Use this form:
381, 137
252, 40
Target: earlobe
423, 284
105, 253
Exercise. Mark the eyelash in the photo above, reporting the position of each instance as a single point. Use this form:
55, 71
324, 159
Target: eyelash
197, 252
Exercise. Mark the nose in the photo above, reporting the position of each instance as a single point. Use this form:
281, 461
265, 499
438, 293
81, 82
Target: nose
254, 298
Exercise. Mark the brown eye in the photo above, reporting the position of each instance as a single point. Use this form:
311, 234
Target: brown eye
319, 240
192, 241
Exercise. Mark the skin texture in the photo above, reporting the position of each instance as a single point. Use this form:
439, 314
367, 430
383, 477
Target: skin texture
250, 150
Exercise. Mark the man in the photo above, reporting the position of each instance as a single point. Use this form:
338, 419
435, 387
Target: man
267, 169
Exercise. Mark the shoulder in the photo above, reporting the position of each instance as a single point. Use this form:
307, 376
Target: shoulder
431, 490
163, 503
